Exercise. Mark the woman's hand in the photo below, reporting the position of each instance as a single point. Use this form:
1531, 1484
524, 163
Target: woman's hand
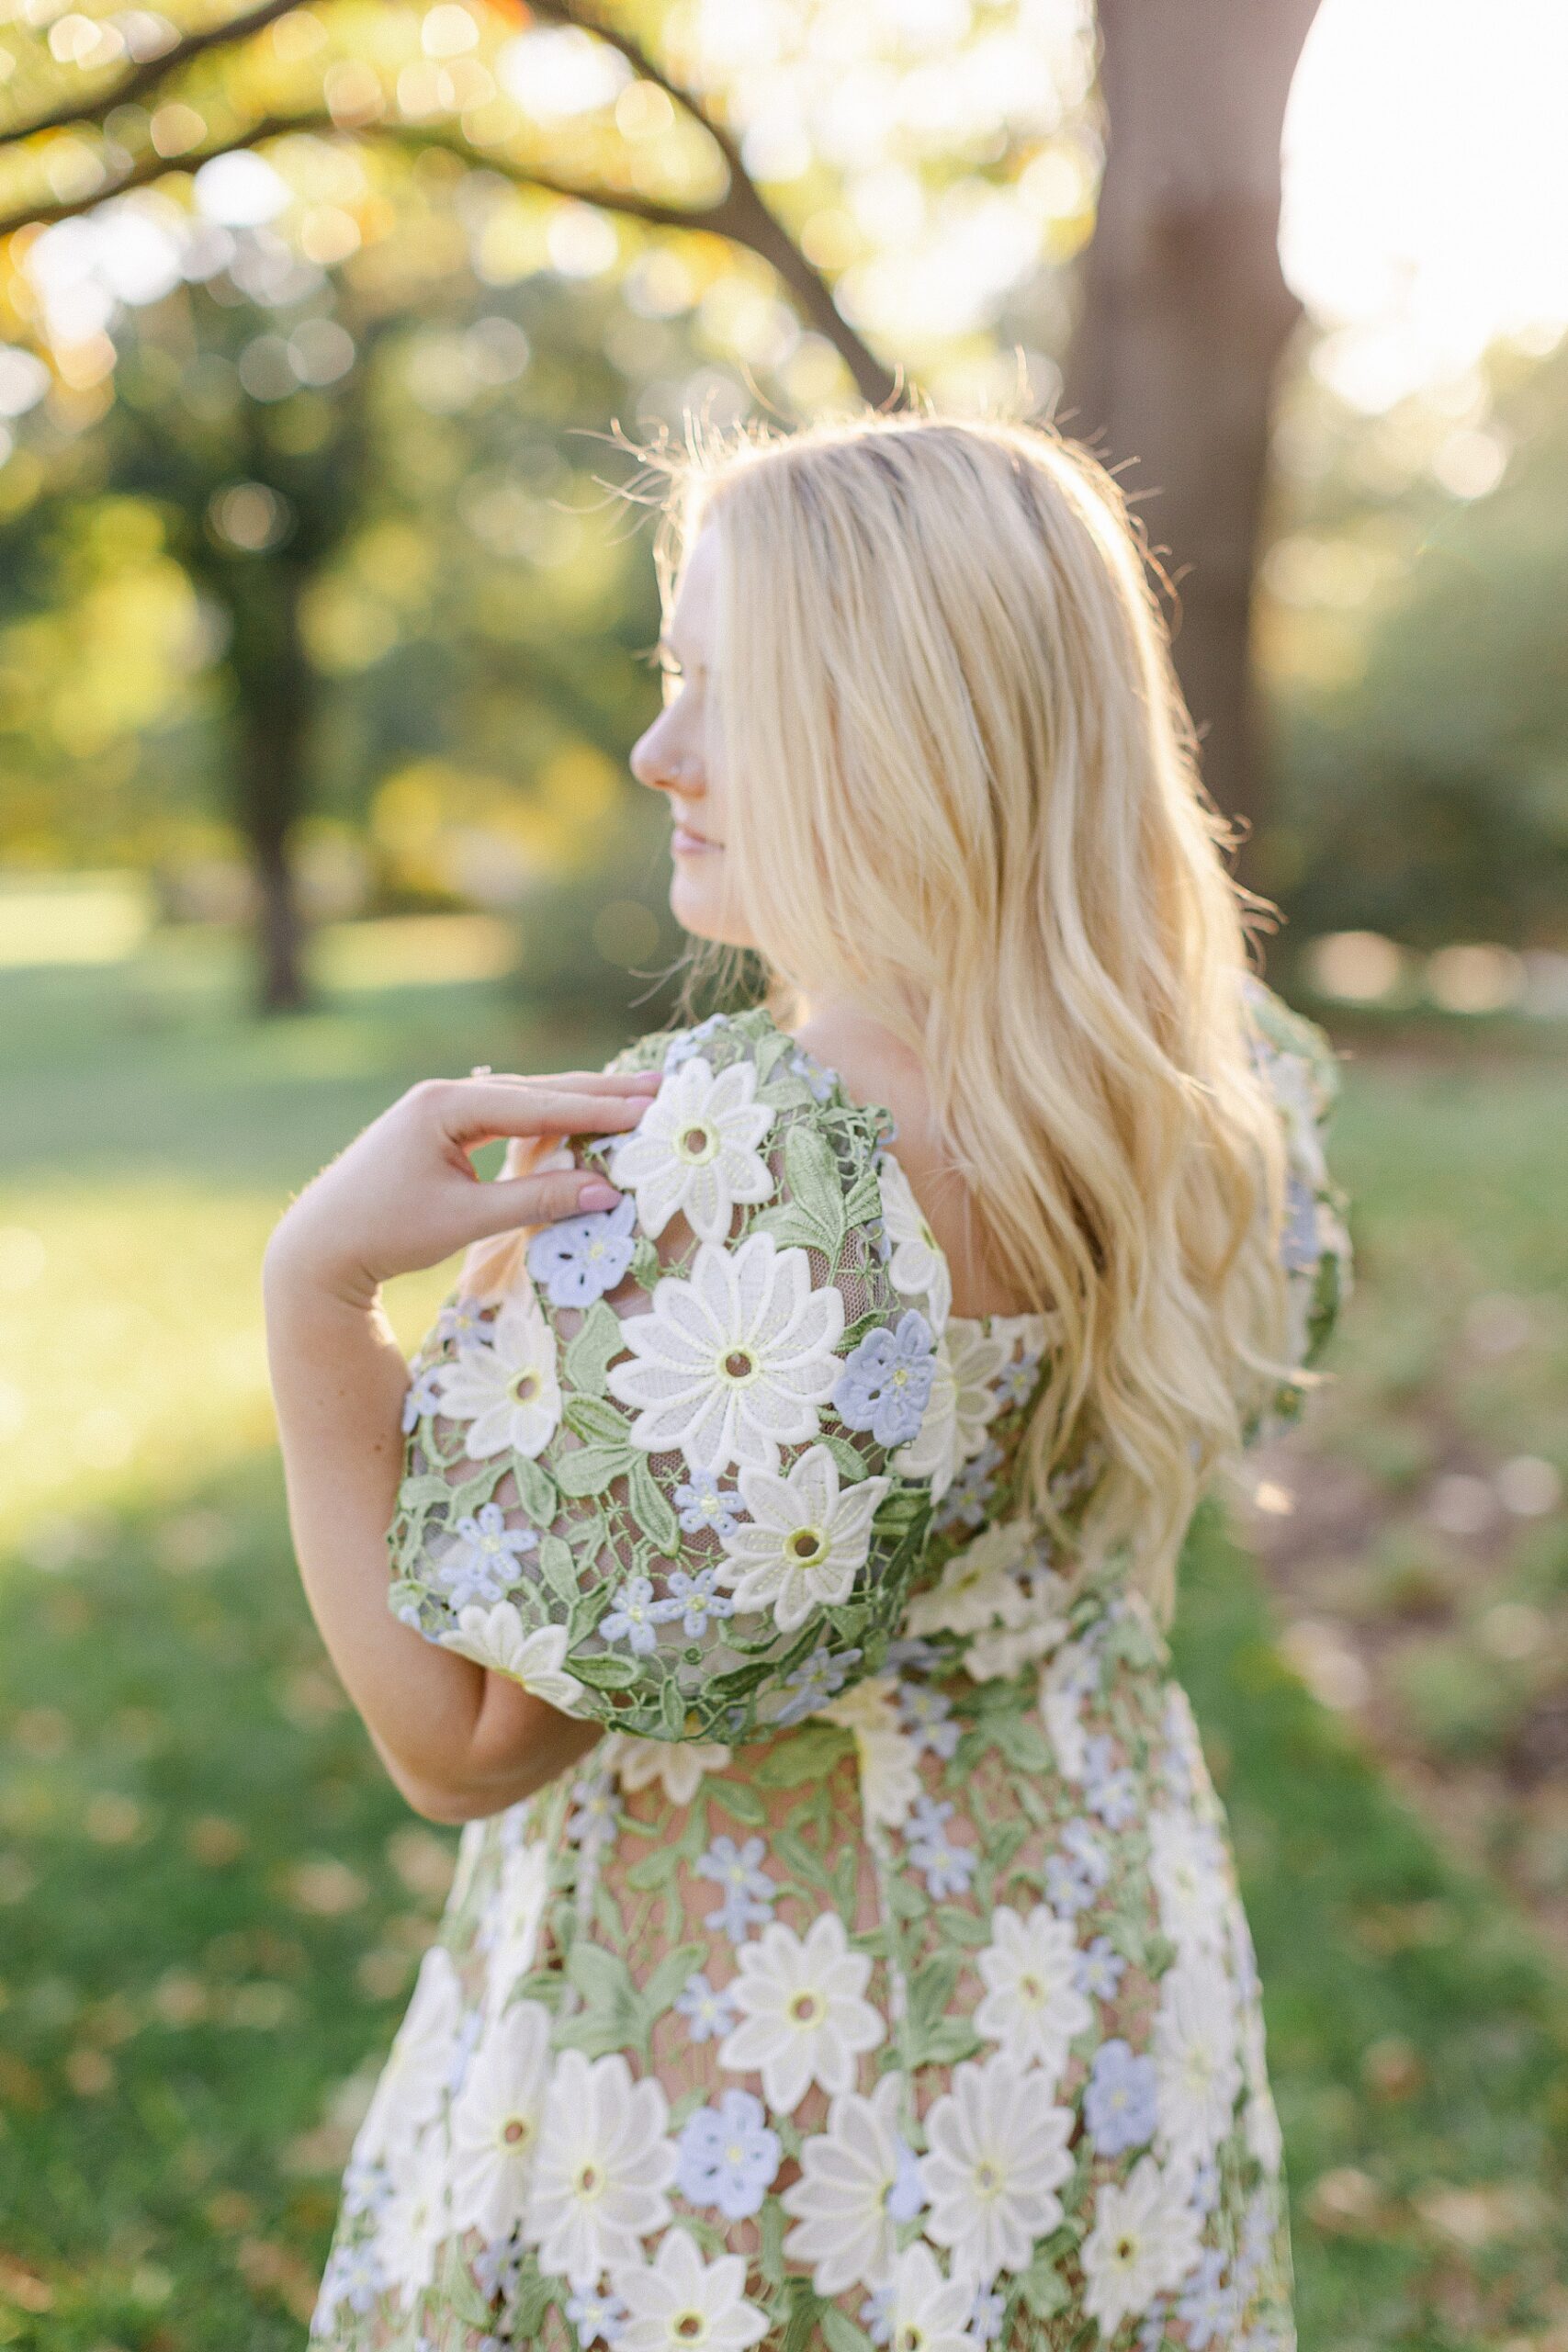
404, 1194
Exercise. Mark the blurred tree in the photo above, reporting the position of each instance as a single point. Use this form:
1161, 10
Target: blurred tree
1184, 317
107, 115
1413, 648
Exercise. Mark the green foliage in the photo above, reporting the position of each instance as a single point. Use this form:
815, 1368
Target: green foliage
1423, 789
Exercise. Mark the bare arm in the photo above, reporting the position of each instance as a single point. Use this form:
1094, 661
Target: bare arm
458, 1740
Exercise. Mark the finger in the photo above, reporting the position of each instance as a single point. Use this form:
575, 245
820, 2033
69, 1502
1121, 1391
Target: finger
577, 1081
503, 1207
477, 1109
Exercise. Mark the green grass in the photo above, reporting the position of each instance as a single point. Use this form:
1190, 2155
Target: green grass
212, 1904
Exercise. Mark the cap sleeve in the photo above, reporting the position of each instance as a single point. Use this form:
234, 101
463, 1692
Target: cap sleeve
649, 1462
1297, 1063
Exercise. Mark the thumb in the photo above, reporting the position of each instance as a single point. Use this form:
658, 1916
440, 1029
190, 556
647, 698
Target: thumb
507, 1203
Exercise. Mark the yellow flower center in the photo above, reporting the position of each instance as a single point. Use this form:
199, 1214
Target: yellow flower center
589, 2180
805, 2008
525, 1385
690, 2326
805, 1547
738, 1366
697, 1144
515, 2131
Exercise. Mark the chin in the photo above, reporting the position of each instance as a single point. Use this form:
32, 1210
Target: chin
700, 904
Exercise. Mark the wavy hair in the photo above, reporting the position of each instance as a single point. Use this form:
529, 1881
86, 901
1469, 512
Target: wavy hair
971, 805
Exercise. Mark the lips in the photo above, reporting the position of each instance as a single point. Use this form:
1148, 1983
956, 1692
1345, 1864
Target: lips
685, 842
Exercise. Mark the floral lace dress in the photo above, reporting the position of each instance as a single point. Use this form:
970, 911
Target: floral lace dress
880, 1979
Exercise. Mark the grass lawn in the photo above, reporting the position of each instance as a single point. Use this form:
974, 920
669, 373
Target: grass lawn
211, 1905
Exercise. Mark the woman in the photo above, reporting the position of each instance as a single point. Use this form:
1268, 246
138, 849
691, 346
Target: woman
880, 1977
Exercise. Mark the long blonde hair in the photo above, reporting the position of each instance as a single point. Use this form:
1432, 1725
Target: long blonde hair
964, 796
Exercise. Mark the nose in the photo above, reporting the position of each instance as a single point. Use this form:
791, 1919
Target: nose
659, 761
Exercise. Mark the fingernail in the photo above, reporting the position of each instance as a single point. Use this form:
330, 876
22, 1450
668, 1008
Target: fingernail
597, 1195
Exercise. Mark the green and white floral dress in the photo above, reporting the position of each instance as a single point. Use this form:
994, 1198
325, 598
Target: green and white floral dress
880, 1978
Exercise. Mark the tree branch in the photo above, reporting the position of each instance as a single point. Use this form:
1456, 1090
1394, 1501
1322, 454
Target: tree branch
148, 75
743, 215
157, 167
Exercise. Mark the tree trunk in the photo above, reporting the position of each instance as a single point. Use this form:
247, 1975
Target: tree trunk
274, 685
1184, 317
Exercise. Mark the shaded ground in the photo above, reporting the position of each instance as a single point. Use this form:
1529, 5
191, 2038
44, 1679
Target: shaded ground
211, 1905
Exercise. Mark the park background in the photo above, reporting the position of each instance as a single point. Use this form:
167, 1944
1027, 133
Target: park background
322, 645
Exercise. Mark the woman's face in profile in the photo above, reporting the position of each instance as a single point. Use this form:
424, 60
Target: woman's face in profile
677, 756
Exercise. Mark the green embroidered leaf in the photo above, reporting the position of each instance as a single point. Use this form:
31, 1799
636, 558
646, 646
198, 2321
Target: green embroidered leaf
812, 1174
769, 1050
458, 2293
588, 1356
558, 1569
792, 1228
1044, 2289
742, 1803
671, 1709
652, 1509
592, 1468
608, 1672
850, 1465
645, 1267
807, 1756
805, 2309
535, 1491
863, 1200
595, 1422
422, 1489
654, 1871
525, 2311
930, 1990
665, 1980
948, 2040
799, 1860
840, 2332
612, 2017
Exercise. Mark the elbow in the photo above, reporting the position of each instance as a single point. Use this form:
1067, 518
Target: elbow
449, 1808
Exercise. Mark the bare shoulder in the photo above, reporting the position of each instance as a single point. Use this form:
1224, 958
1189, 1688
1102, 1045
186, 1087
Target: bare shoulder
877, 1068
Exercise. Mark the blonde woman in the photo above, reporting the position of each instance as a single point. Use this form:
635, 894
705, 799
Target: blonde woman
844, 1948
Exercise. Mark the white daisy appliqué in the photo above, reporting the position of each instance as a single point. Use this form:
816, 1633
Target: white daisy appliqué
603, 2167
1196, 2059
979, 1588
419, 2066
803, 2017
507, 1385
887, 1758
1144, 2240
918, 1267
964, 1403
997, 2153
735, 1361
680, 2303
694, 1149
804, 1542
495, 2120
858, 2180
1031, 2007
927, 2310
677, 1765
495, 1637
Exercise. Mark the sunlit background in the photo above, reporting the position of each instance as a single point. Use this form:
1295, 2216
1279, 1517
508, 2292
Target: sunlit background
315, 606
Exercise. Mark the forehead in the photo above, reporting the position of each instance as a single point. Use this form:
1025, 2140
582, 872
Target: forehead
696, 602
